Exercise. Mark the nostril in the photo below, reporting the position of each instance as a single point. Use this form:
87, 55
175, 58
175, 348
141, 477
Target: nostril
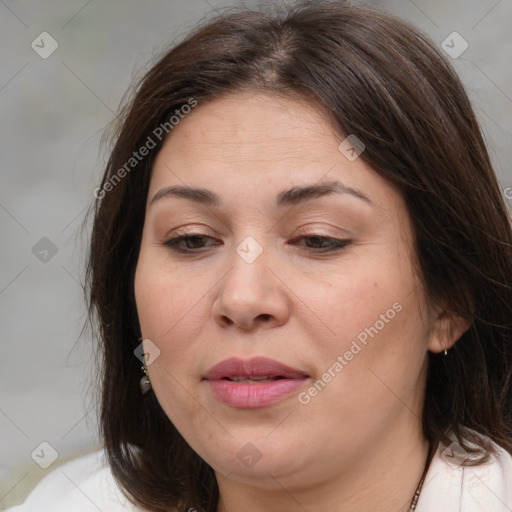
227, 320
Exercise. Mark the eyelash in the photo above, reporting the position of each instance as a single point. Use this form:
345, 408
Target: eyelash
337, 245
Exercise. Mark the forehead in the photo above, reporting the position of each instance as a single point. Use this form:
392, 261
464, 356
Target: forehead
258, 144
262, 107
255, 126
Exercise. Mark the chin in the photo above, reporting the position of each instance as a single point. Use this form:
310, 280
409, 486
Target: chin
257, 457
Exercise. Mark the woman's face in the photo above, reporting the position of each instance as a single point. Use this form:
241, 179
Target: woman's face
299, 253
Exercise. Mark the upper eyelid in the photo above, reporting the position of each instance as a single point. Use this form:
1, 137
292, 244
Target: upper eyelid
204, 235
308, 231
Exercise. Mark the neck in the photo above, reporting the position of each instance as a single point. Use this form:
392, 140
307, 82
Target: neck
385, 479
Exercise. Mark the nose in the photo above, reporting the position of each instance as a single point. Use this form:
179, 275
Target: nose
251, 295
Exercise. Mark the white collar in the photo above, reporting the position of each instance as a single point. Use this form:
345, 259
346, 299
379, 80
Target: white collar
452, 487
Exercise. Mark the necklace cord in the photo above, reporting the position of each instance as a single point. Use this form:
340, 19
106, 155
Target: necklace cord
432, 449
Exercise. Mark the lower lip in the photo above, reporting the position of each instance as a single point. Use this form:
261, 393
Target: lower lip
251, 396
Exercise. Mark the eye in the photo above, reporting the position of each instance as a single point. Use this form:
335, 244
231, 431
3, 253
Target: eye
196, 243
187, 243
322, 244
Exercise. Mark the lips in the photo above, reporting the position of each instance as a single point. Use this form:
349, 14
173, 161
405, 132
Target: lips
257, 369
257, 382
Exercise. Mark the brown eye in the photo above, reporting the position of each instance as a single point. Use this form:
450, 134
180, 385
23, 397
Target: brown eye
187, 243
319, 243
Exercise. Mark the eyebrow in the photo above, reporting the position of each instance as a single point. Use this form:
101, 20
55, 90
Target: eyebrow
290, 197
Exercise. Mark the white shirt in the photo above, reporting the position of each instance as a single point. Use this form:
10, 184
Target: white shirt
87, 485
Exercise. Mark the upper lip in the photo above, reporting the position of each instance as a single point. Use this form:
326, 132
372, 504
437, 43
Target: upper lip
255, 367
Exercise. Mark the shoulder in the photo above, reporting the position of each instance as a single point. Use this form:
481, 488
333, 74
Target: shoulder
84, 484
489, 486
452, 485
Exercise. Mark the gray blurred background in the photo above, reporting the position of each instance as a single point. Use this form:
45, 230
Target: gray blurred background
54, 108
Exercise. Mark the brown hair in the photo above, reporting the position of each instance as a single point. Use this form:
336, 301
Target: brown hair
383, 81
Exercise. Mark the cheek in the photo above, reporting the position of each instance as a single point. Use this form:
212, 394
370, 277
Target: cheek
372, 369
171, 315
373, 317
170, 310
350, 299
165, 297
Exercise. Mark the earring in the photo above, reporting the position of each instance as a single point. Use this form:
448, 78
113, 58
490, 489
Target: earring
145, 383
445, 353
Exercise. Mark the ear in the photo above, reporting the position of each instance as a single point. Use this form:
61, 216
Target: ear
447, 330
